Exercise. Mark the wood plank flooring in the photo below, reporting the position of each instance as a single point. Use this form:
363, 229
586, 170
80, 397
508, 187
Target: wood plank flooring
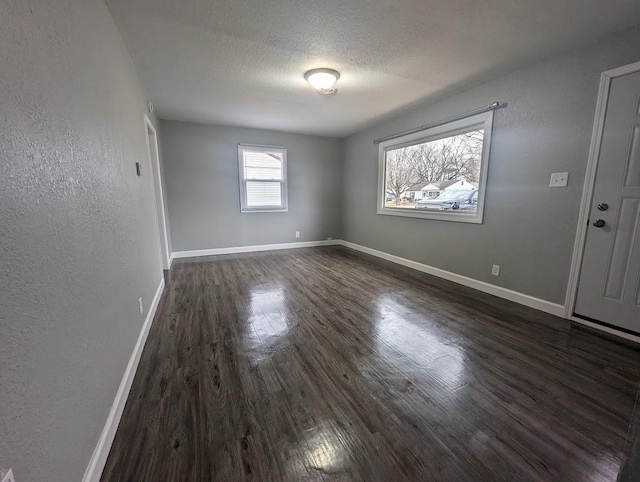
324, 364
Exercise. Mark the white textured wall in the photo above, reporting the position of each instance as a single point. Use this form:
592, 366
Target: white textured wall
529, 229
78, 239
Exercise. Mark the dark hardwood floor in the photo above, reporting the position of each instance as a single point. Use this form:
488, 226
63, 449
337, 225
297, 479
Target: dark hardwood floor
325, 364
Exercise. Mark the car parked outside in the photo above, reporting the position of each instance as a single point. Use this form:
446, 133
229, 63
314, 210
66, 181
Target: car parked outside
469, 203
450, 200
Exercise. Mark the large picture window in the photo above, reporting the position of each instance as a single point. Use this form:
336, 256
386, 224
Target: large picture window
439, 173
263, 178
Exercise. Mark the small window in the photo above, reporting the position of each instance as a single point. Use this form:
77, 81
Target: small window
263, 178
439, 173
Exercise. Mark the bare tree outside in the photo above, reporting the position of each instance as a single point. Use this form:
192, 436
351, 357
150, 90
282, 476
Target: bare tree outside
401, 172
451, 158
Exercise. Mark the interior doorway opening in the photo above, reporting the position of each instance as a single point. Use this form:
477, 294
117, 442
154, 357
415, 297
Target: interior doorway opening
156, 172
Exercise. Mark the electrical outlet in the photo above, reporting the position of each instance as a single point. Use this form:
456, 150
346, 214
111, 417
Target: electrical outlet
329, 239
559, 179
495, 271
140, 305
297, 234
7, 476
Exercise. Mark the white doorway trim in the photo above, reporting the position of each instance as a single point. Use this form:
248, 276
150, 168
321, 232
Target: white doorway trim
590, 182
156, 172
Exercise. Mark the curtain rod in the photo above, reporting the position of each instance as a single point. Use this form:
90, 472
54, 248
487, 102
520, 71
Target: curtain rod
480, 110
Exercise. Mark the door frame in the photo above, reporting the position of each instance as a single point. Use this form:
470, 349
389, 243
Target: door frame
587, 194
156, 174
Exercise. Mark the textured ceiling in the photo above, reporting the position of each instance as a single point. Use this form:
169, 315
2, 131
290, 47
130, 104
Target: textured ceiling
241, 62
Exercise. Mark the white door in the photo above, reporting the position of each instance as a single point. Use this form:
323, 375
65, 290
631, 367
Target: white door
609, 285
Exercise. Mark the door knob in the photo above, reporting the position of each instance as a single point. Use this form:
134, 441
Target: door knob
599, 223
603, 207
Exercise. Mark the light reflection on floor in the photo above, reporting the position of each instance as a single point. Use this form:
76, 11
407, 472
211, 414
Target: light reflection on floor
326, 452
417, 346
267, 318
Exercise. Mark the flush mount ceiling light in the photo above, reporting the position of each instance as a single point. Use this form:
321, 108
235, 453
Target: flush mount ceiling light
322, 80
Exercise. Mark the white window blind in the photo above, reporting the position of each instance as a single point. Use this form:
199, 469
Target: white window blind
262, 178
262, 165
263, 193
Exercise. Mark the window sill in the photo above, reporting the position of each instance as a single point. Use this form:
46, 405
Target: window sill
472, 218
277, 210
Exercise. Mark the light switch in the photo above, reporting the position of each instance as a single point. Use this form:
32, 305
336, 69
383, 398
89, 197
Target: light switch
559, 179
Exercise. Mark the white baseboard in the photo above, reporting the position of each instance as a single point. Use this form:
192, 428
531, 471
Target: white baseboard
606, 329
251, 249
101, 452
521, 298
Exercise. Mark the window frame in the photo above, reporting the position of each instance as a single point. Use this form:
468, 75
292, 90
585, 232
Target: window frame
484, 121
284, 200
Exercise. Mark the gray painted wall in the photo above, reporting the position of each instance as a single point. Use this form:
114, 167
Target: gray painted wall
529, 228
78, 235
201, 167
